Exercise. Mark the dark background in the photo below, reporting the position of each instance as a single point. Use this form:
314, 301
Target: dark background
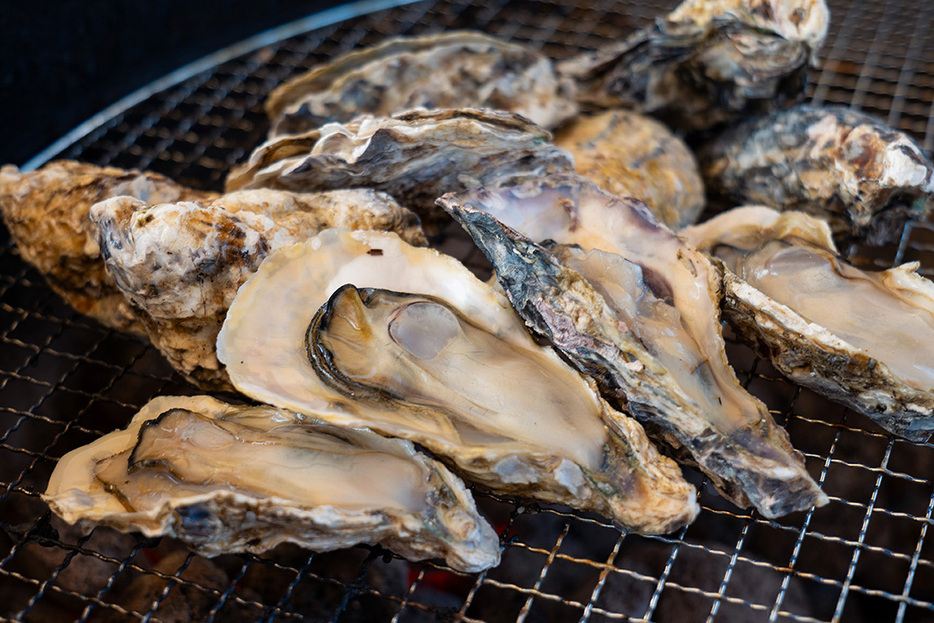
63, 61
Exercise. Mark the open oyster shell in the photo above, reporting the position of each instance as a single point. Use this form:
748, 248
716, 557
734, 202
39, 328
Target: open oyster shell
46, 212
449, 70
839, 164
452, 369
865, 339
647, 327
415, 156
227, 478
181, 263
632, 155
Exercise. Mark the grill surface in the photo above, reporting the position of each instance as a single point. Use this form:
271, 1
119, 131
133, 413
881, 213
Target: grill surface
64, 380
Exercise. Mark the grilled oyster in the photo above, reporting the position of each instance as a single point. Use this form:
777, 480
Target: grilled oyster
842, 165
451, 368
693, 76
227, 478
414, 156
647, 327
452, 69
46, 212
181, 263
865, 339
632, 155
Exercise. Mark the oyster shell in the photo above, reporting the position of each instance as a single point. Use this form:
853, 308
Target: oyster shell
632, 155
414, 156
46, 212
180, 264
839, 164
451, 368
646, 328
690, 75
865, 339
448, 70
227, 478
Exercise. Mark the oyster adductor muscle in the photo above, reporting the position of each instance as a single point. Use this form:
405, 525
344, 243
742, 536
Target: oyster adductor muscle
225, 478
180, 264
842, 165
47, 211
361, 329
640, 313
415, 156
450, 70
865, 339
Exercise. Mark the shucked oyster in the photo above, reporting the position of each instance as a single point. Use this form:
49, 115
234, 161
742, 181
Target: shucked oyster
225, 478
865, 339
632, 155
840, 164
450, 367
639, 314
691, 75
451, 70
181, 263
46, 212
415, 156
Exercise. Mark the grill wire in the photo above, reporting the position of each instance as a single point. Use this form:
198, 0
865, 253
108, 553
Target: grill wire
65, 380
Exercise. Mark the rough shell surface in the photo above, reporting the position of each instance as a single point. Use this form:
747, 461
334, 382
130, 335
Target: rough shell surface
180, 264
226, 478
450, 70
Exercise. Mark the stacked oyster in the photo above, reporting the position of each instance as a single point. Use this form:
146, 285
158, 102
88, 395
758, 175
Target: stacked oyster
356, 337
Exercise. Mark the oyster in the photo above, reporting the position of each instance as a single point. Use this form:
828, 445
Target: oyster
414, 156
640, 315
865, 339
227, 478
46, 212
632, 155
453, 69
181, 263
450, 368
690, 75
840, 164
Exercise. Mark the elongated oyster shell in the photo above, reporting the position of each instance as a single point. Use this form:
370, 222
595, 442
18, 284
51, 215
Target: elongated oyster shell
632, 155
450, 70
46, 212
865, 339
647, 328
692, 76
226, 478
504, 412
415, 156
840, 164
181, 263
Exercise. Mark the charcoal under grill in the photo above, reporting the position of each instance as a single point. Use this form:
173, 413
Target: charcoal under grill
64, 381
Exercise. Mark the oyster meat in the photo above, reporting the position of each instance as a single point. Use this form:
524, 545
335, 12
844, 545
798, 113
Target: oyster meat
180, 264
415, 156
46, 212
865, 339
632, 155
227, 478
449, 367
840, 164
693, 75
640, 314
449, 70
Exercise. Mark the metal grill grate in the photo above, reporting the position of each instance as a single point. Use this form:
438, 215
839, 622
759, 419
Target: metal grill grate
65, 380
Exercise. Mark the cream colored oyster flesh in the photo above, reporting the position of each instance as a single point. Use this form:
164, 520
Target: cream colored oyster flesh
449, 70
421, 349
180, 264
865, 339
226, 478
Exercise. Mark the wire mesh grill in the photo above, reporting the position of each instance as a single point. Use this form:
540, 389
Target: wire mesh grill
64, 380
